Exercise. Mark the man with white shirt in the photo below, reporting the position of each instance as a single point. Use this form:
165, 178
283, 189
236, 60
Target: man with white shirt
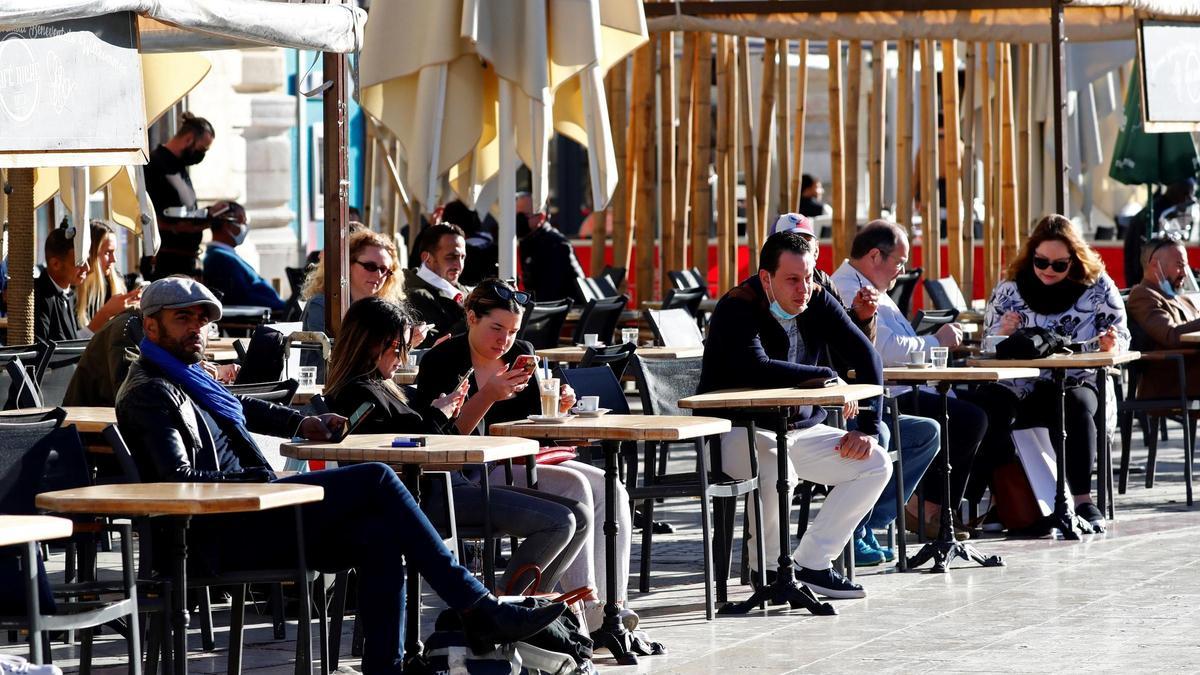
877, 257
432, 288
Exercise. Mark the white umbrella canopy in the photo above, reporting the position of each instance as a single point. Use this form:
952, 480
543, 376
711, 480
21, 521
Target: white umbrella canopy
436, 75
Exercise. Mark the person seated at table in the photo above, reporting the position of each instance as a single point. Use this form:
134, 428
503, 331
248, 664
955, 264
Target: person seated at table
432, 287
1158, 307
1056, 282
225, 270
372, 272
919, 436
771, 331
54, 303
500, 393
374, 344
181, 426
102, 294
877, 257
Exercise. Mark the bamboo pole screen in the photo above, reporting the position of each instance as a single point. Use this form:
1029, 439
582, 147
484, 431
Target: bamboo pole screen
723, 152
967, 281
930, 218
701, 167
952, 161
904, 135
850, 171
876, 121
836, 150
666, 158
762, 164
646, 152
1008, 162
798, 121
744, 131
626, 154
783, 125
1024, 136
683, 158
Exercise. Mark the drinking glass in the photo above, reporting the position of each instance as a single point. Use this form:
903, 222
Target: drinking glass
307, 376
940, 356
629, 335
548, 388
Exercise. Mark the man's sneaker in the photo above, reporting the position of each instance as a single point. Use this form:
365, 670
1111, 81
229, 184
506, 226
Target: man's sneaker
888, 554
1091, 513
866, 555
829, 583
16, 664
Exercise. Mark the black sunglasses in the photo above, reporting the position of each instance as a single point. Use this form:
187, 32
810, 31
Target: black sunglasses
506, 293
1058, 266
373, 268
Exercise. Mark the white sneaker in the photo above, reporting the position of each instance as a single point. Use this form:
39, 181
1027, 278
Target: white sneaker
16, 664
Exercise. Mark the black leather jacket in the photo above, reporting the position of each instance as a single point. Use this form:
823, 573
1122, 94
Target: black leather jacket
170, 441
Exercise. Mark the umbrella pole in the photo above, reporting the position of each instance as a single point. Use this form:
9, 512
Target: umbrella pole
508, 185
335, 259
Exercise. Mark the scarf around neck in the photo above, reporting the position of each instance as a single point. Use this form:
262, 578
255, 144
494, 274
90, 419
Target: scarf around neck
204, 390
1048, 300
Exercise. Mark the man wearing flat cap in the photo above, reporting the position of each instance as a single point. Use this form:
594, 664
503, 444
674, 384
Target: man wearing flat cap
181, 425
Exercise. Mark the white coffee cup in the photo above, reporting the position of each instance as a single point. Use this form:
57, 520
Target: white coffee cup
990, 342
916, 357
589, 403
591, 339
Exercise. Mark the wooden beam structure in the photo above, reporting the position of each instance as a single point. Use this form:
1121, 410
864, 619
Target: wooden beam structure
337, 188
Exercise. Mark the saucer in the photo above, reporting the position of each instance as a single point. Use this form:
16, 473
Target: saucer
597, 345
918, 365
561, 419
598, 412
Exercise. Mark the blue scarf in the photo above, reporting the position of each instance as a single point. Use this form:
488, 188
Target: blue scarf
209, 394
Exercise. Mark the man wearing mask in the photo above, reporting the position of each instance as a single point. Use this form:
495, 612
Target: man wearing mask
548, 263
224, 269
170, 187
1159, 314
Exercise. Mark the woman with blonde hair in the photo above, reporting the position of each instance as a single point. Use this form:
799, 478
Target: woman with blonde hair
1056, 282
103, 295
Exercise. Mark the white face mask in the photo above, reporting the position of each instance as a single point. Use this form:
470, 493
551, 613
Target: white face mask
239, 236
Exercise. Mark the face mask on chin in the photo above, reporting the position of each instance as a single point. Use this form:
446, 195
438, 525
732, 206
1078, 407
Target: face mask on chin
1168, 289
777, 310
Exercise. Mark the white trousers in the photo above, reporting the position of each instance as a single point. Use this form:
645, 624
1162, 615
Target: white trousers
856, 486
584, 483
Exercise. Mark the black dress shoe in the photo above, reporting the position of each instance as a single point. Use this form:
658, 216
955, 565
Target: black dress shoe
490, 622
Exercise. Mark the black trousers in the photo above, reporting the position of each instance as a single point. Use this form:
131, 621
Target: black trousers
967, 424
1038, 408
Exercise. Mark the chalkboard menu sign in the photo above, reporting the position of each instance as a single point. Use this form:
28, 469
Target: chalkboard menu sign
1170, 53
71, 93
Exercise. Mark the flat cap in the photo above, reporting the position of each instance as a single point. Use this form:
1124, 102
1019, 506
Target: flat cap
177, 293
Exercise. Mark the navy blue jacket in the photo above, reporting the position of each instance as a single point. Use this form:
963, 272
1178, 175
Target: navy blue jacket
239, 283
746, 347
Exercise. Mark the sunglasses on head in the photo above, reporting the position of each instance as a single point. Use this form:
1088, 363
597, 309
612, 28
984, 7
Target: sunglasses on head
373, 268
506, 293
1058, 266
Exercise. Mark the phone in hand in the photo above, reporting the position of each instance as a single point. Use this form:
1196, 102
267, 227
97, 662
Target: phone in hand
356, 418
466, 376
526, 362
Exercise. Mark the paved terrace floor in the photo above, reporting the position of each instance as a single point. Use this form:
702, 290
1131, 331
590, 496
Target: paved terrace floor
1123, 601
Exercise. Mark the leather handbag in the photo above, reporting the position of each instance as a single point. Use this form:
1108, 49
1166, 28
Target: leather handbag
1032, 343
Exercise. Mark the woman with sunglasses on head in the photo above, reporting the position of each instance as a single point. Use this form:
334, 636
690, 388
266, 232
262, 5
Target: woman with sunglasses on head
501, 392
1056, 282
374, 343
102, 294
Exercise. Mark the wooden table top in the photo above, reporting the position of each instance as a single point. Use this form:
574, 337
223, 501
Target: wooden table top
304, 394
24, 529
618, 428
221, 349
1087, 360
575, 354
1190, 337
440, 450
781, 397
90, 420
178, 499
970, 374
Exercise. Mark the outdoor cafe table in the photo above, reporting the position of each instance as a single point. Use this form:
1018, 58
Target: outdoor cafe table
177, 503
944, 548
779, 400
575, 354
1058, 365
28, 531
221, 349
90, 420
611, 430
439, 452
1190, 338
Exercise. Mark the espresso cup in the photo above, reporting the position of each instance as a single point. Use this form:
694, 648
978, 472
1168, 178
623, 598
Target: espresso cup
589, 403
591, 339
916, 357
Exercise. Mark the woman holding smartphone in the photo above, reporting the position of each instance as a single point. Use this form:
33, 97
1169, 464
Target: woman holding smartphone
374, 343
501, 390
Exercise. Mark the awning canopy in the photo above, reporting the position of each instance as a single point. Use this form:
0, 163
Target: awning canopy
1015, 21
195, 25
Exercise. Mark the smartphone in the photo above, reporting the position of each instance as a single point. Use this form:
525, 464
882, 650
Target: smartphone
818, 383
526, 362
466, 376
351, 424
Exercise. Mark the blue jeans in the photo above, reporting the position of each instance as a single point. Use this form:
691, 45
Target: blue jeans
919, 442
368, 521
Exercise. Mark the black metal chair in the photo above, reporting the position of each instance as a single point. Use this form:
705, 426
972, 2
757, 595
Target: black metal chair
615, 357
54, 376
615, 277
281, 392
42, 456
902, 292
295, 278
674, 328
688, 299
928, 321
692, 278
17, 379
661, 383
241, 320
543, 322
600, 317
945, 294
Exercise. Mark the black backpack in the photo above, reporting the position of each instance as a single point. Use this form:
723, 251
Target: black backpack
1032, 343
266, 357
